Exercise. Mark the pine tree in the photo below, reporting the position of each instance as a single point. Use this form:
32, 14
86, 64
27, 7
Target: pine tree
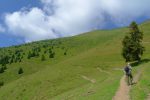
1, 69
29, 55
20, 71
1, 83
52, 55
43, 58
132, 44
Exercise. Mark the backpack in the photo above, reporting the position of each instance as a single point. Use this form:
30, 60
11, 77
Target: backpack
127, 69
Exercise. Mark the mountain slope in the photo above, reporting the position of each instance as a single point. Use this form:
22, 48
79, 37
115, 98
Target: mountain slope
90, 69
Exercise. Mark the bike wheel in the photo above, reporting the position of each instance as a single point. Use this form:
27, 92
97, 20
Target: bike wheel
127, 80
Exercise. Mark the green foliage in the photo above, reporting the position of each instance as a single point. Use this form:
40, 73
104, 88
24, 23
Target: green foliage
12, 59
1, 83
43, 58
52, 55
20, 71
65, 53
4, 60
34, 53
2, 69
132, 46
29, 55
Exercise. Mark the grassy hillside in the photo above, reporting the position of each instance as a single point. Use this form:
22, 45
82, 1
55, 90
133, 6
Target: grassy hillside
83, 67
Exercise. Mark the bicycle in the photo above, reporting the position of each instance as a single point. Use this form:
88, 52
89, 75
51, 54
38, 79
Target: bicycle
129, 79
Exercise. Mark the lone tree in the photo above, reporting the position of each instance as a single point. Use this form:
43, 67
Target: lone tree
132, 44
20, 71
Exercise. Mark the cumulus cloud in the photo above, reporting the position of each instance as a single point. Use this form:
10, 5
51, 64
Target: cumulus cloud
31, 25
59, 18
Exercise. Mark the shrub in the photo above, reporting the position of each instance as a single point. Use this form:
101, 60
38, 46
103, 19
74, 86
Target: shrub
52, 55
4, 67
43, 58
20, 71
1, 83
2, 70
65, 53
29, 55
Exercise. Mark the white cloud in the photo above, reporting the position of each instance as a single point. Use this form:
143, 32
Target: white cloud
2, 29
60, 18
31, 25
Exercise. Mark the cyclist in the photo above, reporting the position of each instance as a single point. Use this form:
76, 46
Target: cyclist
128, 72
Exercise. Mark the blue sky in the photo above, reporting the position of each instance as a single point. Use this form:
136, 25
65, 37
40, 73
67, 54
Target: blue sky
14, 5
23, 21
9, 6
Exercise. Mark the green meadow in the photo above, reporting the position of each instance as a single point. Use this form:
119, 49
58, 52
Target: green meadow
83, 67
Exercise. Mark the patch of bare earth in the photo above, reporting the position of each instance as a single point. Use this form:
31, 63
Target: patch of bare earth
88, 79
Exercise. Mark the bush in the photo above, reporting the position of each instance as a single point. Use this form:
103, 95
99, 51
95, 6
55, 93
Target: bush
1, 83
20, 71
65, 53
29, 55
43, 58
52, 55
4, 67
2, 70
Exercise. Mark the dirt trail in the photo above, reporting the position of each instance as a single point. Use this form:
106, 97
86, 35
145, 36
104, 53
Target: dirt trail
123, 91
148, 97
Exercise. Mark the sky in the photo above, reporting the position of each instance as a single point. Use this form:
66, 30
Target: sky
23, 21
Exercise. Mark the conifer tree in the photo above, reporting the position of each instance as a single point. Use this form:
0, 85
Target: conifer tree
132, 44
20, 71
43, 58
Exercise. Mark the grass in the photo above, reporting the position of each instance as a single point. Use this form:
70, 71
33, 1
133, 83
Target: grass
141, 90
95, 55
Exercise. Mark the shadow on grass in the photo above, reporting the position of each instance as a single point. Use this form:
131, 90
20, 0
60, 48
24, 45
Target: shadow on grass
134, 64
134, 83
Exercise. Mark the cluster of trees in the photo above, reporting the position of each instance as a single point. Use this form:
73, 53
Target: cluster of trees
51, 53
4, 59
48, 50
34, 52
9, 58
17, 56
132, 44
48, 47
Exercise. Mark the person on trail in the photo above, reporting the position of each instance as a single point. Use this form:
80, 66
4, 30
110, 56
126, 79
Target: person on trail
128, 71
